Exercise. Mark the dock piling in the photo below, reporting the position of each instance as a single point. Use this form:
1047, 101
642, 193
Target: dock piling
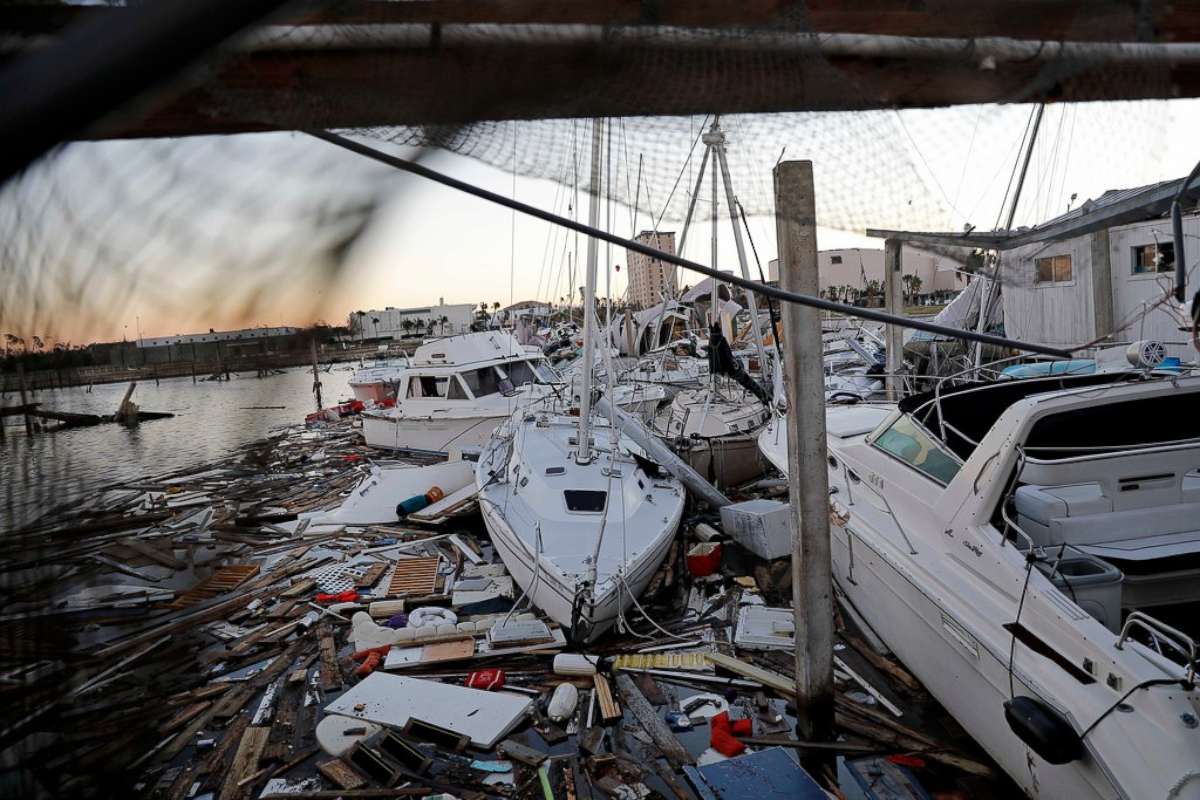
808, 477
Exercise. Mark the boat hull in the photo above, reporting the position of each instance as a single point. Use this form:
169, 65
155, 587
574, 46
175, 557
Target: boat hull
969, 680
427, 434
554, 592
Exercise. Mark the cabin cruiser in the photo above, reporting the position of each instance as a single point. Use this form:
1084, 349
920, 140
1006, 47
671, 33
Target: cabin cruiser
456, 390
1006, 539
375, 383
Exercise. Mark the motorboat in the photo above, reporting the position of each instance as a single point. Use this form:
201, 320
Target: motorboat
581, 540
456, 390
1009, 541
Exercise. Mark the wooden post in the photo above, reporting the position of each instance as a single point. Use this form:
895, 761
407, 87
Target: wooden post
316, 372
808, 477
893, 293
24, 398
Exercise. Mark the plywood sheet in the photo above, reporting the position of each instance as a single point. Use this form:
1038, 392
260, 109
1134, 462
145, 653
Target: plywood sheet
484, 717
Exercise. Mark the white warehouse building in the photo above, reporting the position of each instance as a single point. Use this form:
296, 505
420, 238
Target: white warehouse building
390, 322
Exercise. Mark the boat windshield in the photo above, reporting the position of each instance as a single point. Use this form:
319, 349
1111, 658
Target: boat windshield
909, 442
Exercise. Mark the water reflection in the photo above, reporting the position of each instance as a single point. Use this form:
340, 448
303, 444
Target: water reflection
211, 418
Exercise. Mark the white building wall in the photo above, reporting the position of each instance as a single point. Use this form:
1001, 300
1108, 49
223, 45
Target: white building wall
391, 320
846, 267
1134, 294
1057, 314
1063, 314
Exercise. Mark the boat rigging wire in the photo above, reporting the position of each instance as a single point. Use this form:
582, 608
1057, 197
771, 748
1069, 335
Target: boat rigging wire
638, 247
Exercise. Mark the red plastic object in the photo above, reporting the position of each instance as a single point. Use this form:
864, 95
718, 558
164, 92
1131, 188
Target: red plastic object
900, 759
487, 679
704, 559
721, 736
369, 664
362, 655
341, 597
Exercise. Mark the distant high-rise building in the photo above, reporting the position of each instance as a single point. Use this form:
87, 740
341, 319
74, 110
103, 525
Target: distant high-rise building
649, 277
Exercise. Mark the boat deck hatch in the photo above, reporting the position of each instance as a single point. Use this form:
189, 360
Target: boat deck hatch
589, 500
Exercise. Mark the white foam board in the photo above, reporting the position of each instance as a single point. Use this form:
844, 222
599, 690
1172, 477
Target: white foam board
484, 717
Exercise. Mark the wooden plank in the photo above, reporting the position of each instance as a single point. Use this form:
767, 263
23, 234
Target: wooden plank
331, 672
371, 576
653, 724
298, 588
609, 710
226, 579
342, 774
1070, 20
183, 716
510, 748
245, 762
414, 576
772, 680
156, 554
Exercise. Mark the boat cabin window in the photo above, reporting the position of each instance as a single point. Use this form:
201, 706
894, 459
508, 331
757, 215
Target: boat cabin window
518, 372
427, 386
482, 382
908, 441
543, 372
587, 500
456, 390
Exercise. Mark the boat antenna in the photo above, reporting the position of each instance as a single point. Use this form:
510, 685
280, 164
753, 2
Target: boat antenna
584, 453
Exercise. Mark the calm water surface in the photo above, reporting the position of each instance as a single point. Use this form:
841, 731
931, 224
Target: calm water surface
211, 419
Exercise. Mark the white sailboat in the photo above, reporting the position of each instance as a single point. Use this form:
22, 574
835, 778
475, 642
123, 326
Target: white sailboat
456, 390
580, 522
1005, 541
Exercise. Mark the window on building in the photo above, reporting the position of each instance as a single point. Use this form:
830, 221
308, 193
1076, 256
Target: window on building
835, 259
1053, 269
1152, 258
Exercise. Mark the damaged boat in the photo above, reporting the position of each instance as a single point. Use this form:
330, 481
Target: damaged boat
1006, 540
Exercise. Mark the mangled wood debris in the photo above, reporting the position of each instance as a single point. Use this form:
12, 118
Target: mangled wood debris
221, 630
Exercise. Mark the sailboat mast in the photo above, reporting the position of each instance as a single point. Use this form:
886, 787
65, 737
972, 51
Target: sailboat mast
986, 295
584, 454
721, 162
714, 317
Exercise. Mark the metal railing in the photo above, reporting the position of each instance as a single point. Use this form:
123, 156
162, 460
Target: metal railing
1159, 631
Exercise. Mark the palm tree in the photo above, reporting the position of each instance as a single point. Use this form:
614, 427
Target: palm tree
375, 323
442, 324
407, 324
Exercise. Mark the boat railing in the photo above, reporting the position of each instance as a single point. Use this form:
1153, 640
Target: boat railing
1010, 524
1161, 632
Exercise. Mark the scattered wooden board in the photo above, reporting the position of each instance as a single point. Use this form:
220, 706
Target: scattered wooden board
772, 680
226, 579
245, 762
342, 774
653, 724
609, 710
370, 578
